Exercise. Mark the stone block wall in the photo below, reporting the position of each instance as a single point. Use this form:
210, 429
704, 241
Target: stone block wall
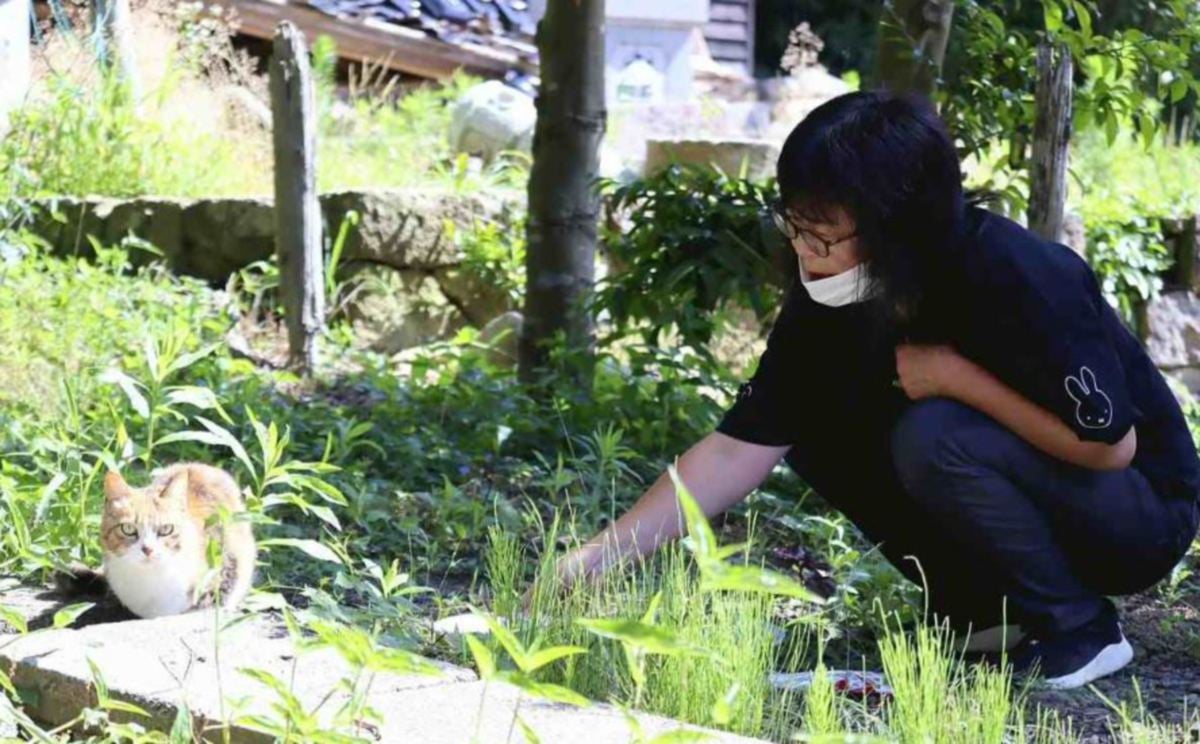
1170, 323
407, 235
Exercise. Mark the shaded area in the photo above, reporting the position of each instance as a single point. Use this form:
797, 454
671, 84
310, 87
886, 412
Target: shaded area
1166, 669
38, 606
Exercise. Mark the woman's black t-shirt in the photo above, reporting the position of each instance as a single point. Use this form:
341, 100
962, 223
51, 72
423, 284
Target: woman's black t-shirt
1027, 310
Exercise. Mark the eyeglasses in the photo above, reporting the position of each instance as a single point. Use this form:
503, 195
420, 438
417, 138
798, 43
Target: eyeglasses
792, 231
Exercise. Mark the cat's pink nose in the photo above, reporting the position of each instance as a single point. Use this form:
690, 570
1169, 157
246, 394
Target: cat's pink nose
147, 550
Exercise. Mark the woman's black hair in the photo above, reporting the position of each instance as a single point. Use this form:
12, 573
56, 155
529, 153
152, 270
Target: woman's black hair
888, 160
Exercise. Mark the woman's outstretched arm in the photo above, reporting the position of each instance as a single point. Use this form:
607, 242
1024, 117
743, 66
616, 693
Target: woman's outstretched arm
719, 471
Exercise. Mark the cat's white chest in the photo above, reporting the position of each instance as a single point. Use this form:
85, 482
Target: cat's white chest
147, 589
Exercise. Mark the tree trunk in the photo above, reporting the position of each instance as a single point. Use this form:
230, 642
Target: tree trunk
912, 44
297, 211
1051, 142
114, 42
564, 206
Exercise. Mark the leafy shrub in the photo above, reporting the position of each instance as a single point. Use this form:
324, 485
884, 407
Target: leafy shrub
494, 255
1122, 190
990, 75
1129, 258
696, 241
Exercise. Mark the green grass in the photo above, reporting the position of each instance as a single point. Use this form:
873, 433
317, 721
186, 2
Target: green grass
376, 139
702, 656
92, 138
729, 635
79, 135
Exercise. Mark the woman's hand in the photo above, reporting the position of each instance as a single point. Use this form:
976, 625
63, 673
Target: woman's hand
720, 471
574, 566
928, 371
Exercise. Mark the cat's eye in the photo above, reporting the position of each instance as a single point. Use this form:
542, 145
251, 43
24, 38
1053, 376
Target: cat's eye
129, 530
165, 530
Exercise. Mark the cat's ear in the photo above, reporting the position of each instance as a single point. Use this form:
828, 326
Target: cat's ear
115, 487
176, 491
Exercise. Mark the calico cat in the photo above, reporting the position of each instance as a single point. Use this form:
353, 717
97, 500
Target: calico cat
155, 542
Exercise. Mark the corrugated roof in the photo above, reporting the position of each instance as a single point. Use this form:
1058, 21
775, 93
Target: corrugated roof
439, 17
428, 38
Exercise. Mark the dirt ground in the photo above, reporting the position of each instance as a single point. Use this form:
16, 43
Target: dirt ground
1166, 668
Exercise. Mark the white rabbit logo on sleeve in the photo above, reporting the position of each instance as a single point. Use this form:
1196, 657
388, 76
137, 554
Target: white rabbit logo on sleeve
1093, 409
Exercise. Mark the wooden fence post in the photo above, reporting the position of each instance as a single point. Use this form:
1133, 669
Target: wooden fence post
297, 211
1051, 141
114, 37
1179, 234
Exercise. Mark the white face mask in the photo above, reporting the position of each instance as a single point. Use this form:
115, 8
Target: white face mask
850, 286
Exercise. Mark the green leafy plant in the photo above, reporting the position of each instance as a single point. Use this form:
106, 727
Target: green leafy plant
1129, 259
695, 242
986, 96
94, 139
528, 660
639, 638
716, 572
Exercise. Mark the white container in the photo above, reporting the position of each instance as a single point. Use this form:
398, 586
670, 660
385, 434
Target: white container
14, 55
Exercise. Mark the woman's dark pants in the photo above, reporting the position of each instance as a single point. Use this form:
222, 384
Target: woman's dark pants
990, 518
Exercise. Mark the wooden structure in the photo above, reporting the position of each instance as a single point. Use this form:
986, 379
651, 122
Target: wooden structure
297, 211
399, 48
730, 33
1051, 141
115, 24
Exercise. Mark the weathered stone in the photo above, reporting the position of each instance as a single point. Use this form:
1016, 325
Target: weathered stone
220, 236
38, 605
397, 310
29, 603
477, 299
212, 238
1180, 237
483, 712
66, 222
501, 335
1075, 233
1173, 329
160, 664
757, 157
158, 222
491, 118
1184, 383
632, 126
795, 96
408, 229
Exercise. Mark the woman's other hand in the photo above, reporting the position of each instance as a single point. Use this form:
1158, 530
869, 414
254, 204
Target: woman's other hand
927, 371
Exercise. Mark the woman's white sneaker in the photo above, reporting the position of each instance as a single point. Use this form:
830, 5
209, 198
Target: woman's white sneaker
1075, 658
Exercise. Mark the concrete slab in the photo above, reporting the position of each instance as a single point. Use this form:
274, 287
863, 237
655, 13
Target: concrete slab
162, 664
484, 712
28, 602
